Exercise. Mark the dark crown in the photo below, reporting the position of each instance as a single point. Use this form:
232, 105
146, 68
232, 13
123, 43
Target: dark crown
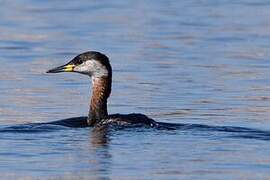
102, 58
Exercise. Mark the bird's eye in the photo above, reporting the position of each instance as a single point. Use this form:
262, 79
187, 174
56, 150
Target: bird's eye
79, 61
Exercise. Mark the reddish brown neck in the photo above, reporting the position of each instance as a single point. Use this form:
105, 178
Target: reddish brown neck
100, 93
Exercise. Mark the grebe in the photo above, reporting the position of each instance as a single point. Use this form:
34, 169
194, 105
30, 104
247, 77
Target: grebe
97, 66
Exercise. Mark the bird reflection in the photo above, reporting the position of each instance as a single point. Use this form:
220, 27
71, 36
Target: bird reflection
101, 158
99, 136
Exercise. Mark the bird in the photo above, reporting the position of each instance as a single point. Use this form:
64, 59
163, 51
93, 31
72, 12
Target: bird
97, 66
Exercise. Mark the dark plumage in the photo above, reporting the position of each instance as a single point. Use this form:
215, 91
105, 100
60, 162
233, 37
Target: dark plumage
97, 66
102, 58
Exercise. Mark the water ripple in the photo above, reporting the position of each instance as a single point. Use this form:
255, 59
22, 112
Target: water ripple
80, 122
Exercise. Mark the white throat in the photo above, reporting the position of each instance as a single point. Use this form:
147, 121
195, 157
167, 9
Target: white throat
92, 68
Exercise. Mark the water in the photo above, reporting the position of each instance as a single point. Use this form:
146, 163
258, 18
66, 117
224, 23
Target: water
186, 62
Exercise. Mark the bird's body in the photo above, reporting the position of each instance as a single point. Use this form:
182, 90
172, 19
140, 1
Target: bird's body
97, 66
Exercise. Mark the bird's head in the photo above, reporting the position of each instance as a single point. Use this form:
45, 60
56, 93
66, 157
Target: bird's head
92, 63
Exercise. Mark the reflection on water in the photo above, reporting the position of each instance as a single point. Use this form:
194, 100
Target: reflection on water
99, 137
201, 64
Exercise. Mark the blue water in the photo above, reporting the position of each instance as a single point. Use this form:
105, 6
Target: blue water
201, 64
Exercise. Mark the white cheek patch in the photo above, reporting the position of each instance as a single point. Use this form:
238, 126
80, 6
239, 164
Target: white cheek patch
92, 68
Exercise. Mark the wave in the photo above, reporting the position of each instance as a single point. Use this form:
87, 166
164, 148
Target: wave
81, 122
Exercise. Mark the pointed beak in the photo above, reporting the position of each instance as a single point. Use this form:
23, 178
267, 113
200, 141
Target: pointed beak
64, 68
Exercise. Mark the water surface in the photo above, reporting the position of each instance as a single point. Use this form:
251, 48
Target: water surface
186, 62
